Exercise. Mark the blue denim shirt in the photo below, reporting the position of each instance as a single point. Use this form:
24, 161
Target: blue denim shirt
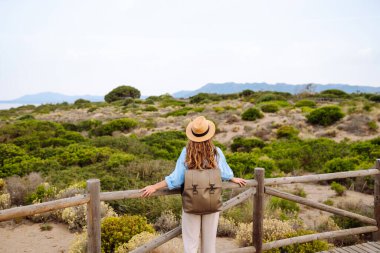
177, 177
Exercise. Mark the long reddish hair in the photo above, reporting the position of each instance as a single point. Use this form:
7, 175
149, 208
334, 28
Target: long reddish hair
201, 155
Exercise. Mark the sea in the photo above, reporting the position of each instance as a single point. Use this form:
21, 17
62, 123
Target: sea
5, 106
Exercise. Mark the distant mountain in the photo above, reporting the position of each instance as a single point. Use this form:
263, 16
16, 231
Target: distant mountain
51, 97
225, 88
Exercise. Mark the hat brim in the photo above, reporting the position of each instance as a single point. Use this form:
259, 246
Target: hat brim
209, 135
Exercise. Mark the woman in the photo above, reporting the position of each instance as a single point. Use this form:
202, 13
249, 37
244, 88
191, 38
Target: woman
200, 153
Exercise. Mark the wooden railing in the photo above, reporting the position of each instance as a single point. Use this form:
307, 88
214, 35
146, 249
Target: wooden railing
256, 188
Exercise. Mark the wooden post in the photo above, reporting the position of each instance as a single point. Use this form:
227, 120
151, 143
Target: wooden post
258, 211
93, 216
376, 235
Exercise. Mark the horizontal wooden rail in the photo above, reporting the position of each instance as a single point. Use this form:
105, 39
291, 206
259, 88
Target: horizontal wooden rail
16, 212
320, 177
307, 238
129, 194
22, 211
177, 231
320, 206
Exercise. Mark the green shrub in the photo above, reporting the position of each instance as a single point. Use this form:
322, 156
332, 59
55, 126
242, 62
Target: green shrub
287, 132
87, 125
288, 165
328, 202
128, 144
375, 98
44, 192
26, 117
339, 189
22, 165
166, 145
150, 108
246, 145
108, 128
81, 101
198, 109
252, 114
299, 192
119, 159
9, 150
335, 92
270, 97
246, 93
269, 107
325, 116
118, 230
82, 155
340, 164
354, 207
284, 205
204, 98
307, 247
121, 93
305, 102
180, 112
243, 164
372, 125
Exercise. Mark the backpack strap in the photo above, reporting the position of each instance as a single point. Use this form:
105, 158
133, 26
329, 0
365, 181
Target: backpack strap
194, 183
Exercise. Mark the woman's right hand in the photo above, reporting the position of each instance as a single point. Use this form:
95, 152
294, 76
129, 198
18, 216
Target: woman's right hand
242, 182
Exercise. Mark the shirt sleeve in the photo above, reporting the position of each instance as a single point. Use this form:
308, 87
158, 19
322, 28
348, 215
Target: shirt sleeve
225, 169
177, 177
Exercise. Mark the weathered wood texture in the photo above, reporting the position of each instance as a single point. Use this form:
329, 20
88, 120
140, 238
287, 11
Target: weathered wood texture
22, 211
93, 217
258, 211
308, 238
16, 212
318, 205
376, 235
177, 231
368, 247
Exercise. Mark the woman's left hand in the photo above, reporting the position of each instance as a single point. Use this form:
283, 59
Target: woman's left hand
148, 190
242, 182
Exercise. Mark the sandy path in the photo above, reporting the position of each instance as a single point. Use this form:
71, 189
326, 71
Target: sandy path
28, 237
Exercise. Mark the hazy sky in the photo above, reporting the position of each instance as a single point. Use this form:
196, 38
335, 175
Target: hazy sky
89, 47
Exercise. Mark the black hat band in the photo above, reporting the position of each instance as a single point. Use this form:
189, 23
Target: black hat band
202, 134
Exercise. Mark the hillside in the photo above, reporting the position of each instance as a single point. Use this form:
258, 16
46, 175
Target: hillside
48, 151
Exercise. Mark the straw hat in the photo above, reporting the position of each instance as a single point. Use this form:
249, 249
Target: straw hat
200, 129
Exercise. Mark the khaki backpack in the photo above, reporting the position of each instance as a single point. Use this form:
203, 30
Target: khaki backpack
202, 191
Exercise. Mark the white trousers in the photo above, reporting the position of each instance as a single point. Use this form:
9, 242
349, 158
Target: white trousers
195, 226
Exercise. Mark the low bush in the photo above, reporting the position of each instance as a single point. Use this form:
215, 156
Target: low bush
341, 164
339, 189
246, 145
375, 98
150, 108
270, 97
287, 132
252, 114
337, 93
166, 145
305, 102
118, 230
108, 128
166, 222
269, 107
180, 112
137, 241
226, 227
43, 192
284, 205
325, 116
353, 206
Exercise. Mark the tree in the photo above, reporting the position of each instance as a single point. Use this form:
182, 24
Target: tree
122, 92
